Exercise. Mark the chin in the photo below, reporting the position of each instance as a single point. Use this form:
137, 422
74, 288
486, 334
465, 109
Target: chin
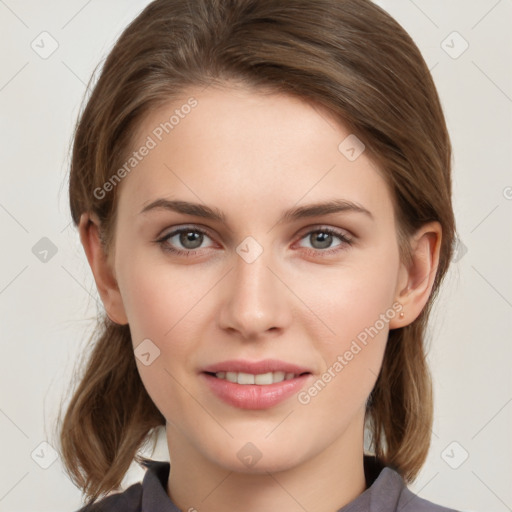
257, 457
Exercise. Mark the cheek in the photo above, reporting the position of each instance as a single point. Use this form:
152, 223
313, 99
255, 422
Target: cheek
352, 298
163, 304
158, 298
353, 308
160, 305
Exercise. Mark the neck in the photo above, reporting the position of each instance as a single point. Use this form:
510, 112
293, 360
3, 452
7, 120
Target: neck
324, 483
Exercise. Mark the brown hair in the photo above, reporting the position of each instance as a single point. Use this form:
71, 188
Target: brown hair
348, 56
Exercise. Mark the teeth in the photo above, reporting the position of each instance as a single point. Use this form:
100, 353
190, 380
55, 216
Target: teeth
261, 379
245, 378
231, 376
267, 378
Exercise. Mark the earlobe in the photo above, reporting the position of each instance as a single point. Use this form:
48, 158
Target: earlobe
414, 284
89, 229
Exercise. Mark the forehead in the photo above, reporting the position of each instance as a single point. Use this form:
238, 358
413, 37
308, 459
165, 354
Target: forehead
239, 148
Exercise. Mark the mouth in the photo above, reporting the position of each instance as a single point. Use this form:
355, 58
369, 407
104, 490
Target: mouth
255, 384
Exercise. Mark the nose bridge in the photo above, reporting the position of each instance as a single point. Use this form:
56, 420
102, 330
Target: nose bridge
256, 300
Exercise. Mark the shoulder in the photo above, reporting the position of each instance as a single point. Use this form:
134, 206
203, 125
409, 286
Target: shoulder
388, 492
410, 502
130, 500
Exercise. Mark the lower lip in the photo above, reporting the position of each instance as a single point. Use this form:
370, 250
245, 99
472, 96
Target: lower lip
254, 396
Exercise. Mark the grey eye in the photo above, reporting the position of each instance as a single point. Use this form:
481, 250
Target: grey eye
191, 239
321, 240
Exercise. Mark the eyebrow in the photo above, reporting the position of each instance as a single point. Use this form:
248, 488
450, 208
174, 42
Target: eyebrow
300, 212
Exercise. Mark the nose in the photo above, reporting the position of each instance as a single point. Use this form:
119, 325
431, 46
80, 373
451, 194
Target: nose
256, 298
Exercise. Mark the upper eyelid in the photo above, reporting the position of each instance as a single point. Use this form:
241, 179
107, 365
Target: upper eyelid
164, 238
322, 227
176, 230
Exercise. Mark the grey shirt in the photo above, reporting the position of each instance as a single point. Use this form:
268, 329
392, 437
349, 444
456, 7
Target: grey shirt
385, 492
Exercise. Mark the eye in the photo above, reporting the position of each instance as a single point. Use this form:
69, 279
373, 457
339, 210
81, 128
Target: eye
189, 238
187, 241
322, 240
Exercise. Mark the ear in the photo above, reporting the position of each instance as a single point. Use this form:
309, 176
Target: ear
415, 283
89, 229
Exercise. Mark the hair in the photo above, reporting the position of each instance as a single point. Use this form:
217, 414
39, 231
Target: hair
347, 56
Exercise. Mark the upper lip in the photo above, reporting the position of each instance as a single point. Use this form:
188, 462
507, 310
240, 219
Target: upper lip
255, 367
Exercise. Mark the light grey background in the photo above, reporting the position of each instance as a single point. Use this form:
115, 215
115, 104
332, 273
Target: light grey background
48, 301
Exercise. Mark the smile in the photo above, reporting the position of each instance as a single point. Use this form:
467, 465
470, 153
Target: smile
254, 391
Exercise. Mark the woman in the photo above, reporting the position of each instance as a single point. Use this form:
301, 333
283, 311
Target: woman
263, 193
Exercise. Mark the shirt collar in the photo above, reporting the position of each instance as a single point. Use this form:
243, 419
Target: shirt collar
384, 486
154, 487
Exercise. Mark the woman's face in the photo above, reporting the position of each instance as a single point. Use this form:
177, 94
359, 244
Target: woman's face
264, 279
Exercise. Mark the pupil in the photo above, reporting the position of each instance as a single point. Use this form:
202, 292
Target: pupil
191, 236
324, 239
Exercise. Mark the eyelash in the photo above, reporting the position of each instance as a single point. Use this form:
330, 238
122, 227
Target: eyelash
345, 242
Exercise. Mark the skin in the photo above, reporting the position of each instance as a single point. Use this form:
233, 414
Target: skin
253, 155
